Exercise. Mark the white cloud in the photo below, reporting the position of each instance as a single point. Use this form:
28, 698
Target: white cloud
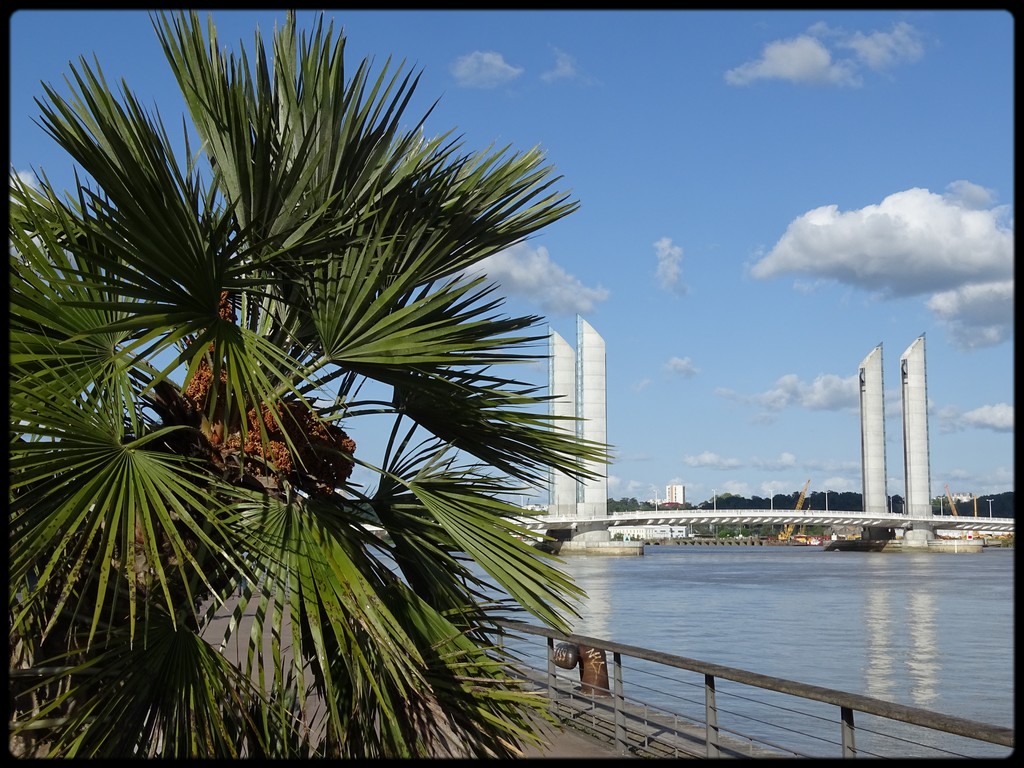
882, 50
995, 418
801, 59
946, 418
807, 59
978, 315
681, 365
669, 272
711, 460
970, 195
636, 488
28, 179
483, 69
784, 460
840, 484
565, 68
827, 392
784, 394
913, 243
998, 418
735, 487
530, 273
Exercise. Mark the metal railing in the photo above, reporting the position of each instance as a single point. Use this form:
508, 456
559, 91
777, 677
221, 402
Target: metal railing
680, 707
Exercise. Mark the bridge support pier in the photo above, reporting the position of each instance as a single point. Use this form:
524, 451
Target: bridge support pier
918, 538
590, 532
594, 538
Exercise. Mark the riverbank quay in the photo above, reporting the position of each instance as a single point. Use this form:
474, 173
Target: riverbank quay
602, 548
953, 545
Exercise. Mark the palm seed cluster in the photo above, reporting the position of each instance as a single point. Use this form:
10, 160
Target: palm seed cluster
318, 449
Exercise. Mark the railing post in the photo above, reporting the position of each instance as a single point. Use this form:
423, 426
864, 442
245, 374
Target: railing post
551, 671
849, 732
711, 716
620, 704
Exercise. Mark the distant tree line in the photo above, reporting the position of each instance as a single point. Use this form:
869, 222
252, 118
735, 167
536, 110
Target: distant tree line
838, 501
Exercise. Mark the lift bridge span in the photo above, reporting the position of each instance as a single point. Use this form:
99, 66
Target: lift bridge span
542, 523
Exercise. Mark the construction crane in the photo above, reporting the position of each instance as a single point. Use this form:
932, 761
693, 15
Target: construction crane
788, 530
952, 506
803, 495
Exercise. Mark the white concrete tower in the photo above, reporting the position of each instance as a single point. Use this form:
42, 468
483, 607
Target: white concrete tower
591, 407
562, 386
675, 493
918, 498
872, 433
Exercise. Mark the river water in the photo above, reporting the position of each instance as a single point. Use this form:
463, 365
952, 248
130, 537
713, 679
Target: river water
930, 630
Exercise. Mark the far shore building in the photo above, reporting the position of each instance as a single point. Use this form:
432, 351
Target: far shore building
650, 532
675, 493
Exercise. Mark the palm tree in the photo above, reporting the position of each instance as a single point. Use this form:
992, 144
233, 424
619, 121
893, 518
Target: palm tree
195, 347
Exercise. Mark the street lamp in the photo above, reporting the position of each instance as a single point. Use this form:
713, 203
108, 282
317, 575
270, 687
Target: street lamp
714, 499
655, 498
771, 500
826, 501
989, 507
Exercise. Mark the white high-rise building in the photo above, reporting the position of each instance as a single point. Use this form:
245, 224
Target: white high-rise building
675, 493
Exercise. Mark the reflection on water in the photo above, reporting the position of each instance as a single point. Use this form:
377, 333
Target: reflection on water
924, 660
878, 669
903, 637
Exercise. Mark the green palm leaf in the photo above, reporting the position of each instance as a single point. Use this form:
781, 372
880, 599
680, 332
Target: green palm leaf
195, 338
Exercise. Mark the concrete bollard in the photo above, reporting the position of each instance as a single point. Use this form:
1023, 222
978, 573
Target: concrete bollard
593, 671
592, 663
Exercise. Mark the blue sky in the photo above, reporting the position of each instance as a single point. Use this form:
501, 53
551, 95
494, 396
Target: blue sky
765, 196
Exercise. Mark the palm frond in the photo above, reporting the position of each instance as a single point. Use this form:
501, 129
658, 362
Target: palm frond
190, 338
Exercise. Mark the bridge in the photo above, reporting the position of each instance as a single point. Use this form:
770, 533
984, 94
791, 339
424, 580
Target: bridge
542, 523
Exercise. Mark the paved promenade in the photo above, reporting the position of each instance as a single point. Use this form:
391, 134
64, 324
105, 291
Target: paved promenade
568, 742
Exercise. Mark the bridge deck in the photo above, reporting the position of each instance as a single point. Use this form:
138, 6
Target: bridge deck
542, 522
